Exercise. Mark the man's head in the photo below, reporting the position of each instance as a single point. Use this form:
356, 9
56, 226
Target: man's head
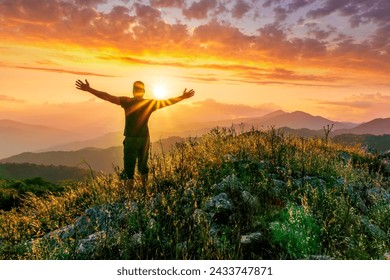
138, 89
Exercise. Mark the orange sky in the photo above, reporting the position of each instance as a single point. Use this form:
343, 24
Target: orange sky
243, 58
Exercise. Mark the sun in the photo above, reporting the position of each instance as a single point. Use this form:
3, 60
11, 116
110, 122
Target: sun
160, 91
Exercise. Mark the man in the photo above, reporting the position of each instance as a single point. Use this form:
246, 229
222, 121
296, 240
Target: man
137, 113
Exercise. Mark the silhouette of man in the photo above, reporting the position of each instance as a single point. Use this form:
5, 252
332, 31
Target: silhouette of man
137, 112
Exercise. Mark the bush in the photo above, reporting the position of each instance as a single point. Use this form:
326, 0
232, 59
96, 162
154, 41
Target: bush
297, 232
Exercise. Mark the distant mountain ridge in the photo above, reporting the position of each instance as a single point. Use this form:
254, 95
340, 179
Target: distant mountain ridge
16, 137
297, 120
107, 140
95, 158
98, 159
378, 126
106, 160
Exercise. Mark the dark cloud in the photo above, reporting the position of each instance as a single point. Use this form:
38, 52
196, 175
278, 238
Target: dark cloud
280, 14
327, 8
167, 3
147, 13
360, 12
319, 33
200, 10
240, 8
89, 3
297, 4
381, 39
269, 3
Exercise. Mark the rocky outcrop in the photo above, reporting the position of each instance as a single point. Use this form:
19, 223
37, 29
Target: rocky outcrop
100, 222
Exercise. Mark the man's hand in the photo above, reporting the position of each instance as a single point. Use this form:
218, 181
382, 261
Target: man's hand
82, 86
188, 94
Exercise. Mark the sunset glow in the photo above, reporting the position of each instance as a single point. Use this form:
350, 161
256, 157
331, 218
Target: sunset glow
244, 58
160, 92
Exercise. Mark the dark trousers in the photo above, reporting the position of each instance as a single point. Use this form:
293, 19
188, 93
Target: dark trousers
135, 148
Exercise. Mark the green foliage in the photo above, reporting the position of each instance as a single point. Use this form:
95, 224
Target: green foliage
13, 192
297, 232
306, 197
379, 143
51, 173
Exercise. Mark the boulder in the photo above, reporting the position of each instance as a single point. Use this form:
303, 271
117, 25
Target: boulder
87, 246
251, 238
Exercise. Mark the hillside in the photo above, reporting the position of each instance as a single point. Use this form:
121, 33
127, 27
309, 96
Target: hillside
277, 119
16, 137
378, 143
22, 171
104, 160
374, 127
97, 159
228, 196
105, 141
296, 120
33, 138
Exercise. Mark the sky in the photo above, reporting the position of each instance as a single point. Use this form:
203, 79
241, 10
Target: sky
243, 58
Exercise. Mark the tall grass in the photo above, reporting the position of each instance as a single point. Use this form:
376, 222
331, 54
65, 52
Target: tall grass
309, 198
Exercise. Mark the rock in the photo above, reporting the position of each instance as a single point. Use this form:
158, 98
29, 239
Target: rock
320, 257
386, 166
230, 158
136, 238
228, 183
96, 219
378, 195
199, 215
214, 229
374, 230
249, 199
66, 232
251, 238
86, 246
312, 181
278, 186
219, 204
354, 192
345, 157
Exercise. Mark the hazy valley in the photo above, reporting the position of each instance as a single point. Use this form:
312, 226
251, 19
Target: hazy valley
46, 146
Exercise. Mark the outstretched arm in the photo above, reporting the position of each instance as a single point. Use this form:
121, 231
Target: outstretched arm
186, 94
101, 94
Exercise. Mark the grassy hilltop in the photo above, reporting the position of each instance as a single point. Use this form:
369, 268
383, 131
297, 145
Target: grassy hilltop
227, 195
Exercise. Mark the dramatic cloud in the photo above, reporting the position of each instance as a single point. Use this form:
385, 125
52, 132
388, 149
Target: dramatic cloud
167, 3
291, 32
240, 9
220, 36
297, 4
280, 14
200, 10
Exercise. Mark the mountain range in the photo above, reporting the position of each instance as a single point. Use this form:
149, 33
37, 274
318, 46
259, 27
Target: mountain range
96, 159
17, 138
